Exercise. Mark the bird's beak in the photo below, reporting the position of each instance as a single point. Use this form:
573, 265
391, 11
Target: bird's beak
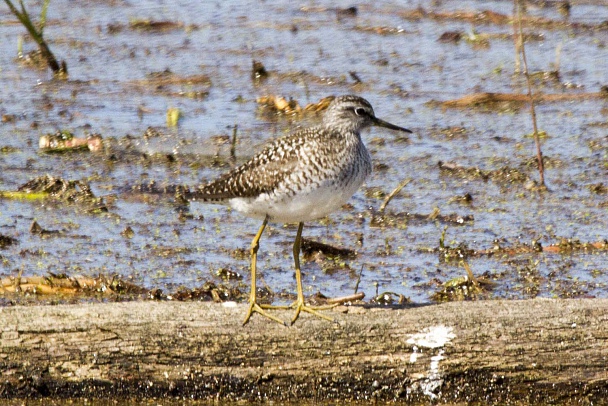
386, 124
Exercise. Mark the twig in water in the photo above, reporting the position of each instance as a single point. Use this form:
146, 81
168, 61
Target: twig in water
470, 275
18, 278
358, 280
558, 57
233, 145
539, 153
345, 299
516, 40
442, 238
393, 193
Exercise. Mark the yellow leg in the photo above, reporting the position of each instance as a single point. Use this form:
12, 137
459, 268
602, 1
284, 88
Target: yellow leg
299, 303
254, 307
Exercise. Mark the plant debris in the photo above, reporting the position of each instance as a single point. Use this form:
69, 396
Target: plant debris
37, 229
500, 249
64, 141
227, 274
7, 241
390, 299
310, 247
173, 116
502, 175
56, 188
382, 30
462, 288
167, 83
258, 71
492, 17
151, 25
355, 297
22, 289
63, 285
281, 105
451, 36
479, 99
402, 219
209, 291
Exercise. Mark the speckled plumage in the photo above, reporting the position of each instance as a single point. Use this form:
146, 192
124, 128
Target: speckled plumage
305, 175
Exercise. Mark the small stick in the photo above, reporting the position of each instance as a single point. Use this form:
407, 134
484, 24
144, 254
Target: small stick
516, 39
216, 296
558, 57
472, 277
233, 146
344, 299
442, 238
358, 280
393, 193
109, 285
17, 281
539, 153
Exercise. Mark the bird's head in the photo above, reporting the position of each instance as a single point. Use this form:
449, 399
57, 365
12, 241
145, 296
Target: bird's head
354, 113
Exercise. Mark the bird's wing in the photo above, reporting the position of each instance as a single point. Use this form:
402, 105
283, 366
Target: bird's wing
261, 174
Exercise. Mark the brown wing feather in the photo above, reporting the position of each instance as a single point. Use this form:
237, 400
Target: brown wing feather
261, 174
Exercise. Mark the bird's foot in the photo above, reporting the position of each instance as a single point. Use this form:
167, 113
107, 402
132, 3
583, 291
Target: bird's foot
256, 308
300, 306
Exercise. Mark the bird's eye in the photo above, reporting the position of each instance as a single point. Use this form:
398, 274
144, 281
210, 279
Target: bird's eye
360, 111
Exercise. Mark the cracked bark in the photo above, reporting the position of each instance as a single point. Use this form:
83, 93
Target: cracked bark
495, 351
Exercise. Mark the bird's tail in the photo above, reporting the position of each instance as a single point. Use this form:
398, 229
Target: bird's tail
184, 194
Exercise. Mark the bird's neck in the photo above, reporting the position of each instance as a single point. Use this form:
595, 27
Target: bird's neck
347, 133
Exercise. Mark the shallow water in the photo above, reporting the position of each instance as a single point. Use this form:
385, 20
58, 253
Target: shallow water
309, 52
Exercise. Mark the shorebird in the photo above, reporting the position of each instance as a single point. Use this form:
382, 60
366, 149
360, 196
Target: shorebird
298, 178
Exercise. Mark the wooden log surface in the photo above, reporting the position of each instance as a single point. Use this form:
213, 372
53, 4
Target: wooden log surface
530, 351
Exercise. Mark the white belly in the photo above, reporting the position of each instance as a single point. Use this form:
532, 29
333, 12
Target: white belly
304, 206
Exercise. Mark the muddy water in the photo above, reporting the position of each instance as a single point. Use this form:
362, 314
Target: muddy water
397, 63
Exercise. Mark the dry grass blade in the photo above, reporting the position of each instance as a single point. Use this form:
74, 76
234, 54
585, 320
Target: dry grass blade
393, 194
470, 275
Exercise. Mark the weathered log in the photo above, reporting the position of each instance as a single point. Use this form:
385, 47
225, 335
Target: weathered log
531, 351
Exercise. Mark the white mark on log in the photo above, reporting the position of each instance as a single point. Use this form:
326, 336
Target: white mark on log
431, 386
435, 337
229, 304
414, 356
432, 337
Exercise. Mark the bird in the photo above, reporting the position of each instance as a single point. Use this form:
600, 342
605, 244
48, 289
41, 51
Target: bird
298, 178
